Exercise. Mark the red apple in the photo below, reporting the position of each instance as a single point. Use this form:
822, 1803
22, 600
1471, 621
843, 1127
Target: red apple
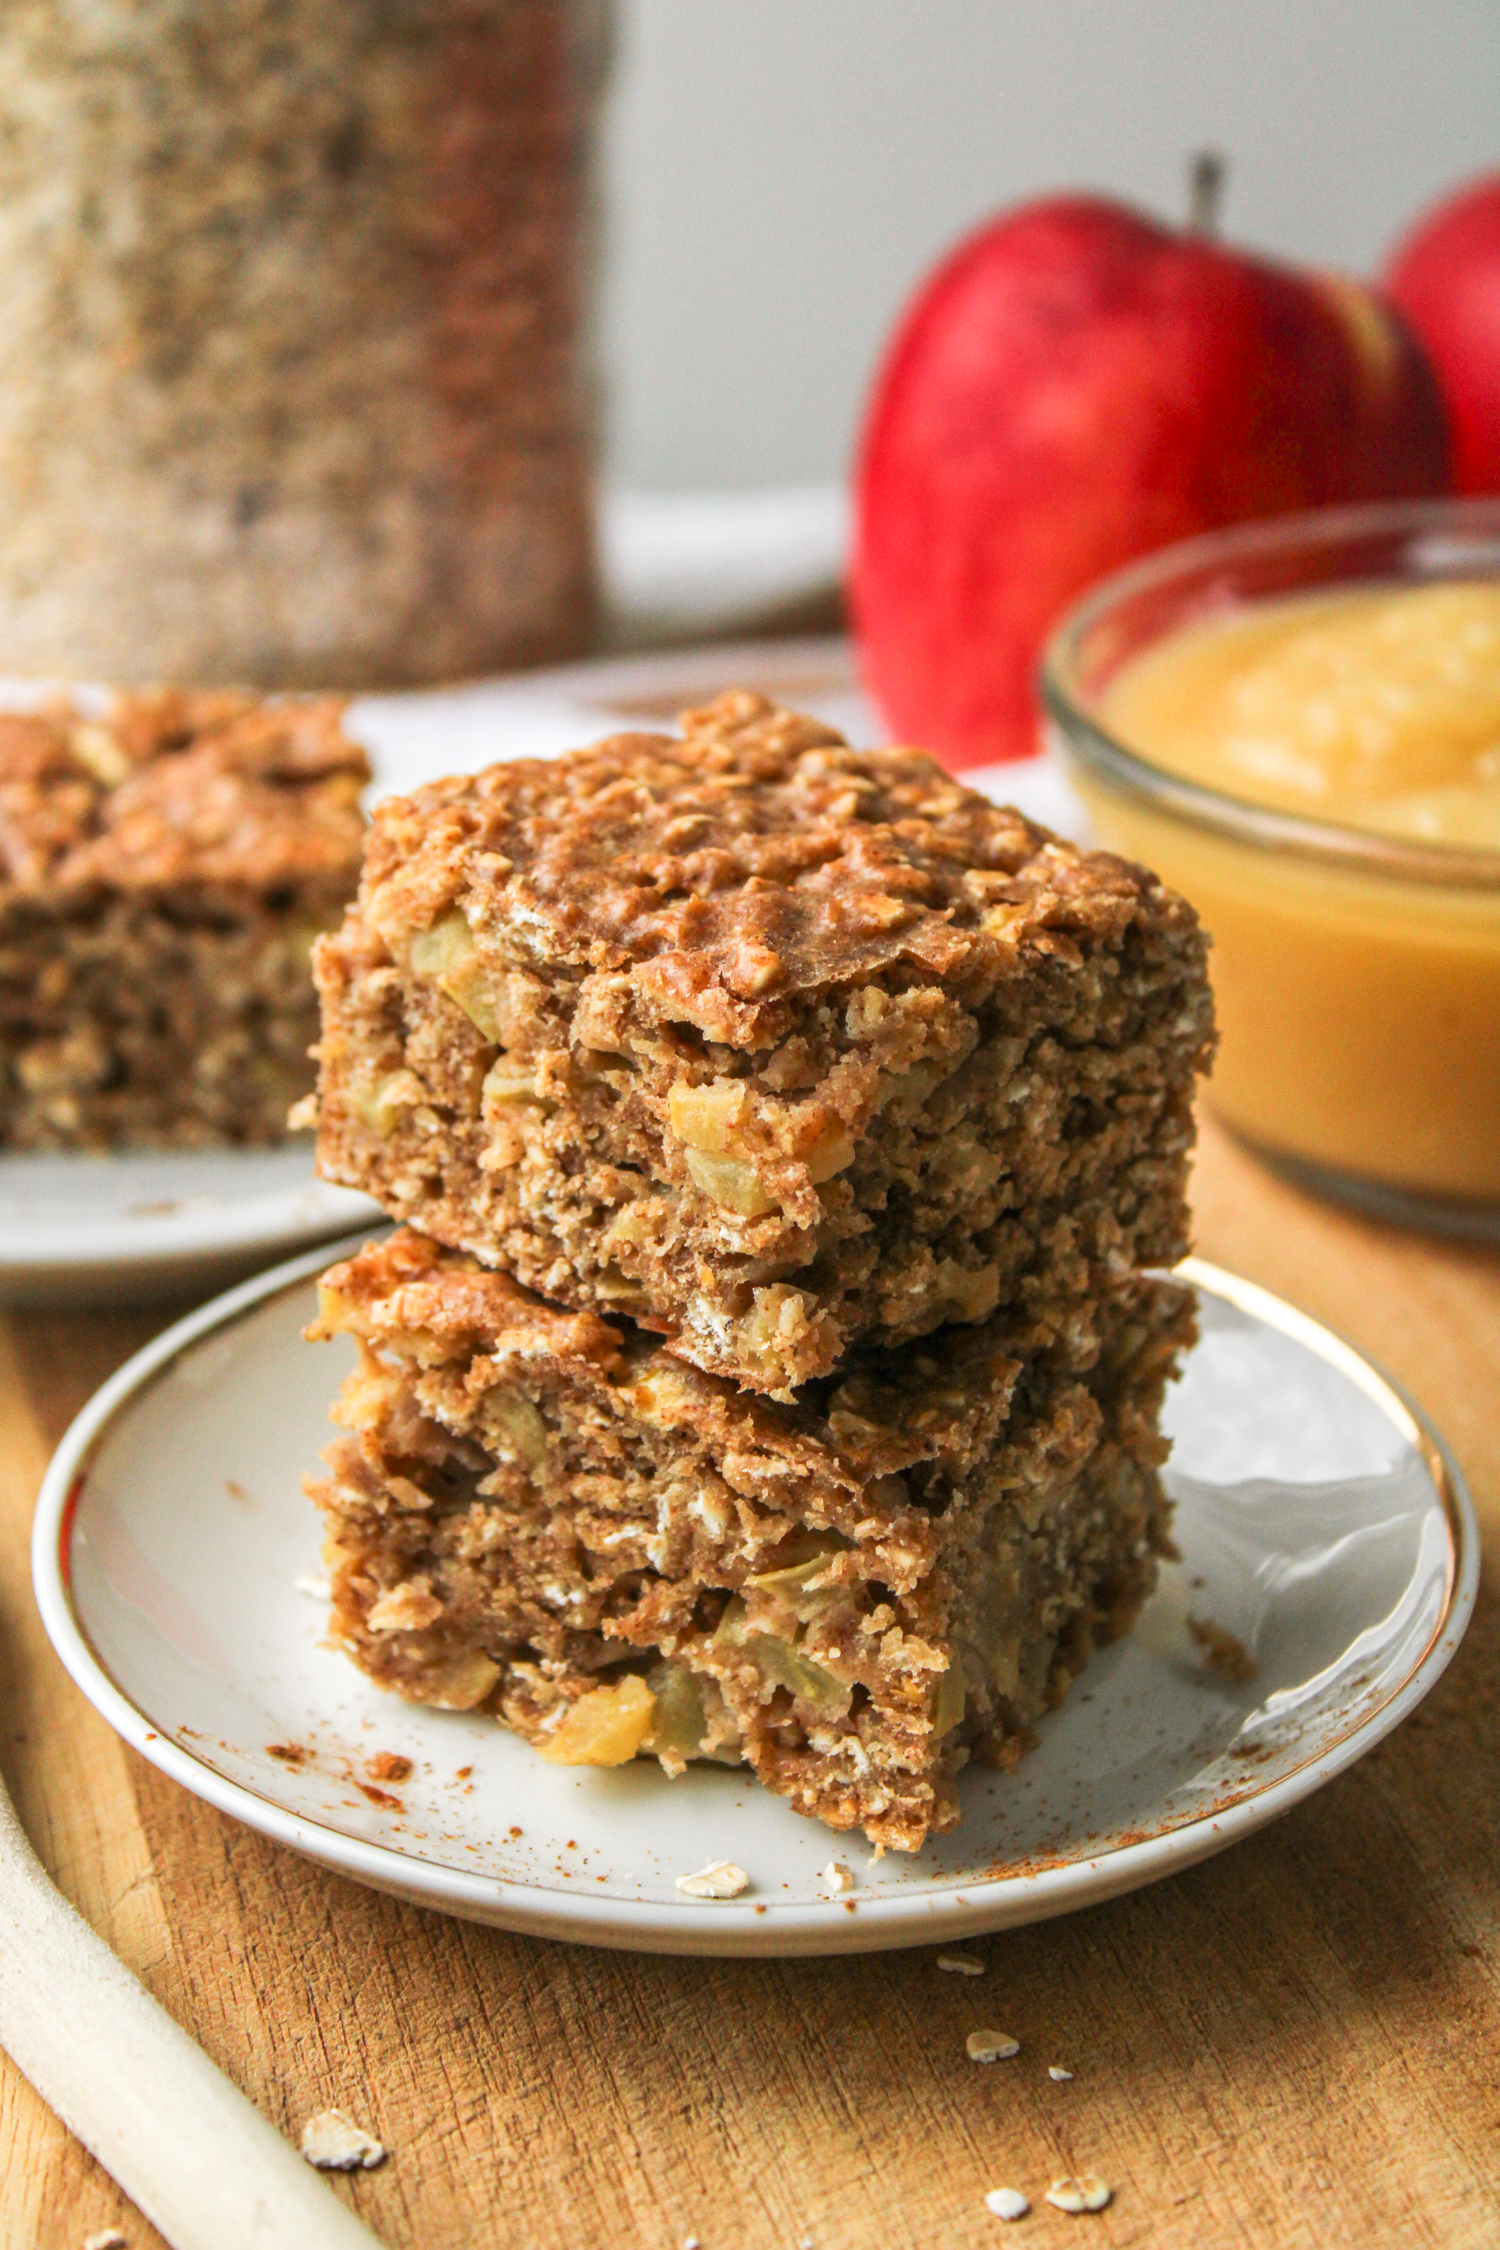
1445, 276
1076, 386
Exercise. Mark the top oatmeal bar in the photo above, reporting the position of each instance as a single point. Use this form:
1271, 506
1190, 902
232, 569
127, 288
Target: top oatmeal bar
773, 1044
164, 868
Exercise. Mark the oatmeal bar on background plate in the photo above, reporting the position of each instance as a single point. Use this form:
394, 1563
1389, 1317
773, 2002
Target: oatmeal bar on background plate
775, 1046
164, 869
551, 1517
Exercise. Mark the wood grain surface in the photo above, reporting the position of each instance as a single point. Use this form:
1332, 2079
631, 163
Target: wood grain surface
1296, 2044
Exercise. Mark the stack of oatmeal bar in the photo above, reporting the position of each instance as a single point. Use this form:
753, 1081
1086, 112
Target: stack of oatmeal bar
768, 1368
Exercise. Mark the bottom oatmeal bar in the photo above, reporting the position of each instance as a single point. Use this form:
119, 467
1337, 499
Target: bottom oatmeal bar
548, 1516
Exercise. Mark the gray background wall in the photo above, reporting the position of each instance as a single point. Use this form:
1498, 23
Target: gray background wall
780, 173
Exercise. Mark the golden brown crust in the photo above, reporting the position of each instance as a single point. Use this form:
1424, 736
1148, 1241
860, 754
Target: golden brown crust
404, 1286
758, 859
883, 1413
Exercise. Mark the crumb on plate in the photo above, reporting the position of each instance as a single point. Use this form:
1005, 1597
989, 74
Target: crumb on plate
388, 1765
1223, 1651
720, 1879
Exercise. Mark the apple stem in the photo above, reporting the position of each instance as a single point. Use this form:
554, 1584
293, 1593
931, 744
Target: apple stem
1206, 175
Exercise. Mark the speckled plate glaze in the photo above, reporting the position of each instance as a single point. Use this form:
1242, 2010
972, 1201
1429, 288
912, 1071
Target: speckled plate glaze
123, 1228
1320, 1521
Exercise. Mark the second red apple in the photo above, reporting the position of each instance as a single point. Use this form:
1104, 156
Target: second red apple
1074, 387
1445, 276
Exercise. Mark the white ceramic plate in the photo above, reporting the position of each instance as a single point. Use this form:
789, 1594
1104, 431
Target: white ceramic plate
146, 1223
1320, 1523
77, 1229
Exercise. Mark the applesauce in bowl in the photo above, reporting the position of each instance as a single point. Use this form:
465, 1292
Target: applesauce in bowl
1298, 724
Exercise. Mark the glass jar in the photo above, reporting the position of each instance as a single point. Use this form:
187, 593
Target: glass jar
293, 339
1357, 974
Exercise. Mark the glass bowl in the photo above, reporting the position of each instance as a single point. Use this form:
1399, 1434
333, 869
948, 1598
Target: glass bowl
1357, 975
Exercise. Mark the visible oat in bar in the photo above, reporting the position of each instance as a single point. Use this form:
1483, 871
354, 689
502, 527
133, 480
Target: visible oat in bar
774, 1045
164, 870
552, 1518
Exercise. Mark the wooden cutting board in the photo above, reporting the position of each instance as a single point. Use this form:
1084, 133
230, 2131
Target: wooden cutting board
1298, 2043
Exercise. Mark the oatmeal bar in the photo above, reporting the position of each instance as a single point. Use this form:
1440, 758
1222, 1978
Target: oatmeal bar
164, 870
553, 1518
773, 1045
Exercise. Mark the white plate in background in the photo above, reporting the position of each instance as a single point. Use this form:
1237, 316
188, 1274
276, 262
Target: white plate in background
420, 736
139, 1225
1320, 1523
